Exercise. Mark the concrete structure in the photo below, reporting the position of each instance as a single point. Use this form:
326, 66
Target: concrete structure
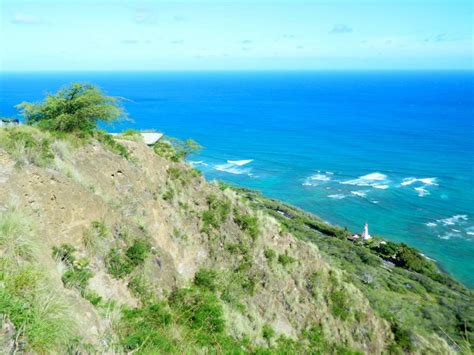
7, 122
151, 138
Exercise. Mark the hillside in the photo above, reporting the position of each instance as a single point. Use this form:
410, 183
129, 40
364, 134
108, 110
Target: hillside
112, 246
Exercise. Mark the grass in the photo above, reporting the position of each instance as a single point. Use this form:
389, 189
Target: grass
285, 259
217, 213
248, 223
121, 263
111, 144
27, 296
270, 254
94, 237
27, 145
77, 272
411, 295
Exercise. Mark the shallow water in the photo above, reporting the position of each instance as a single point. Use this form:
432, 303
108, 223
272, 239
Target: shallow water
394, 149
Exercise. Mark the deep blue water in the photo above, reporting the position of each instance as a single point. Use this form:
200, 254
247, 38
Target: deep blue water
394, 149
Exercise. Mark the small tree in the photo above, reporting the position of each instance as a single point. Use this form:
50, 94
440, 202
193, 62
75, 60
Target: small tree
76, 108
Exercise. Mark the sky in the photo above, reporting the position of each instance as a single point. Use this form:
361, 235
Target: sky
98, 35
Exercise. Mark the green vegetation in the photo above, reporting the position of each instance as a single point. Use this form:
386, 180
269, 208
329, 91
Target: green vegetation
175, 149
339, 304
27, 297
285, 259
183, 175
121, 263
111, 144
78, 273
270, 254
27, 146
401, 285
76, 108
248, 224
217, 213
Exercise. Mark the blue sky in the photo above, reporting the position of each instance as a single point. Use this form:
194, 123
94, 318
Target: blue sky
235, 35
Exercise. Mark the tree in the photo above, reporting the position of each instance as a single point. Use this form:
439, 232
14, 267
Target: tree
175, 149
76, 108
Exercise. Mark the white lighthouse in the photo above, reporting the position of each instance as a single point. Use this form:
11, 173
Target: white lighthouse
365, 234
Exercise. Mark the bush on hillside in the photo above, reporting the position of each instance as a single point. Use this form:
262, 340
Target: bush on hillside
76, 108
175, 149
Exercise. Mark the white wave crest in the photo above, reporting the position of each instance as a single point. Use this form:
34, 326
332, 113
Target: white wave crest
450, 221
380, 187
231, 169
317, 179
337, 196
425, 181
199, 162
359, 193
421, 191
240, 162
431, 224
372, 179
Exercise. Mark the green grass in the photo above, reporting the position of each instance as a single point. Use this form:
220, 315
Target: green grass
270, 254
285, 259
217, 213
121, 263
27, 145
111, 144
248, 223
27, 296
412, 295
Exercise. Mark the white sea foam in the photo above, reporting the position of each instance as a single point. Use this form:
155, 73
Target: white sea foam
381, 187
359, 193
450, 221
431, 224
376, 180
425, 181
421, 191
337, 196
317, 179
199, 162
240, 162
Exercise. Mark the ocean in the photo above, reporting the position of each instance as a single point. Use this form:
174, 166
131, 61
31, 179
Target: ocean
393, 149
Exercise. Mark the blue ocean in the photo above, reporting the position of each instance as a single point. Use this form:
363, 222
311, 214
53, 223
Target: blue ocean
393, 149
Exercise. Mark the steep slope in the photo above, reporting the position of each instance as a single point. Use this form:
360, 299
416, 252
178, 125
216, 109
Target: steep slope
110, 247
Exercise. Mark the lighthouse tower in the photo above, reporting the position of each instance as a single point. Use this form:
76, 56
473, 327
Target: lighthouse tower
365, 234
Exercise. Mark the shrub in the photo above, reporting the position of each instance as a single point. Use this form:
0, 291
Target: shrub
92, 297
248, 224
65, 253
138, 252
117, 264
199, 309
270, 254
267, 332
285, 259
77, 276
174, 149
207, 279
339, 304
76, 108
120, 264
217, 213
111, 144
145, 329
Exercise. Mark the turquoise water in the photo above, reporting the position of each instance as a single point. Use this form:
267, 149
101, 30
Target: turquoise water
394, 149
